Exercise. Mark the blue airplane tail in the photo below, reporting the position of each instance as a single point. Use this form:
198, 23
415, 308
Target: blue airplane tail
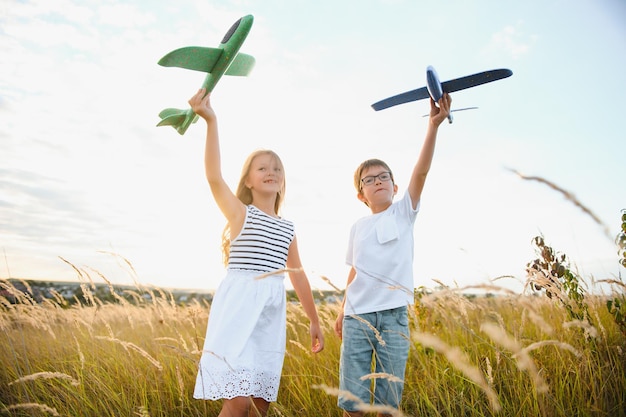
178, 119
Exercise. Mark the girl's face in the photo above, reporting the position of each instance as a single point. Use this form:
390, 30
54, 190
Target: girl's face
377, 188
265, 175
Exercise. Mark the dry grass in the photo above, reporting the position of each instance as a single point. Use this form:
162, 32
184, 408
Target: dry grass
505, 355
568, 196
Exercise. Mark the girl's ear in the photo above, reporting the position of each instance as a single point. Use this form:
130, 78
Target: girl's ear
395, 189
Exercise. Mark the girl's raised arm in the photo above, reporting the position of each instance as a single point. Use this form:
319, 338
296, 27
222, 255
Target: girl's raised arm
232, 208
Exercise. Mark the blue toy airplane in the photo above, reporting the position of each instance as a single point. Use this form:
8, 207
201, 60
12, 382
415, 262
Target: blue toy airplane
435, 89
216, 62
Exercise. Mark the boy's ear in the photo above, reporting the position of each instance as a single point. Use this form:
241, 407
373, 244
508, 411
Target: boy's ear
361, 197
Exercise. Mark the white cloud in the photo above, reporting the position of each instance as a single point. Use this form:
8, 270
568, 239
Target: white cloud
124, 16
513, 41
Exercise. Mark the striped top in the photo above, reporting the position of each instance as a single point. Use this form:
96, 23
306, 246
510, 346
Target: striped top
263, 243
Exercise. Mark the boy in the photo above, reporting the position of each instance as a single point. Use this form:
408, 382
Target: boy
373, 323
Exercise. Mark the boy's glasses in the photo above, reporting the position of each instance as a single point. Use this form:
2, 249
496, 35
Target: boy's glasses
371, 179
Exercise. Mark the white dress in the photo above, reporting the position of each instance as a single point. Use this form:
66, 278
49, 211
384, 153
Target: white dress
244, 346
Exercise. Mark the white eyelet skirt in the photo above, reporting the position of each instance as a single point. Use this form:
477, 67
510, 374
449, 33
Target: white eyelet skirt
244, 348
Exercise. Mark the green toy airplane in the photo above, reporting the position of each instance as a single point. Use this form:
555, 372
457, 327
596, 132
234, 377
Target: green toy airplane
216, 62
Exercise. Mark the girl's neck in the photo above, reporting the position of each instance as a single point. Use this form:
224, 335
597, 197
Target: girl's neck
265, 206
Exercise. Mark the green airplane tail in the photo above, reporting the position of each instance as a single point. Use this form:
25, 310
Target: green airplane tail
178, 119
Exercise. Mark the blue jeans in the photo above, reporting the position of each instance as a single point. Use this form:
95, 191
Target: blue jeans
365, 350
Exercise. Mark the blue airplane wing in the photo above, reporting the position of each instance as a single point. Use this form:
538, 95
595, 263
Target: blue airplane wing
474, 80
196, 58
413, 95
241, 66
447, 87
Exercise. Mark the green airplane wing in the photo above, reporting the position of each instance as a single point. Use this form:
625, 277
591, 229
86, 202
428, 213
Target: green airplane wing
241, 66
180, 119
170, 112
195, 58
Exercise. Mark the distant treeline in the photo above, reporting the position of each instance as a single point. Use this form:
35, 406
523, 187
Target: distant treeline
70, 293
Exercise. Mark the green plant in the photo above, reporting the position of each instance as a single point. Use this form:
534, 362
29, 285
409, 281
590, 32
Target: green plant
550, 272
617, 309
617, 305
620, 240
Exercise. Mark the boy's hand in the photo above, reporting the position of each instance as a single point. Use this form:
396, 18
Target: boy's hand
339, 325
440, 113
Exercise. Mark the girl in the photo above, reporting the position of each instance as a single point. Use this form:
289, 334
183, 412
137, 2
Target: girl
244, 346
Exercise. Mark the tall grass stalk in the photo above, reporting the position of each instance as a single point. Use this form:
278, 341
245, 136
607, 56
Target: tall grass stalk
511, 354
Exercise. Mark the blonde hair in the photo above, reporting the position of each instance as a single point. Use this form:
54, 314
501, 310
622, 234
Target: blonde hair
366, 165
244, 194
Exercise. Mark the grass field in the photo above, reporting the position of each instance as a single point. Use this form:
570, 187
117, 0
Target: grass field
506, 355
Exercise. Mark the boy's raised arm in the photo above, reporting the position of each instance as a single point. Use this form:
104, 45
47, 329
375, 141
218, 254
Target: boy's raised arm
424, 161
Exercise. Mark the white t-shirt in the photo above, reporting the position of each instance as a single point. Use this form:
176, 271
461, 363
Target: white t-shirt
381, 251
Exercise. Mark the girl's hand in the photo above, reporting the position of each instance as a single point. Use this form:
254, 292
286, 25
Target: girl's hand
317, 338
201, 105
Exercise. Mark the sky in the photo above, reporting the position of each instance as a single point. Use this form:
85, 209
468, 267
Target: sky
88, 181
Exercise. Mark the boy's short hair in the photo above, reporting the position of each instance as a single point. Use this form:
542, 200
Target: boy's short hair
366, 165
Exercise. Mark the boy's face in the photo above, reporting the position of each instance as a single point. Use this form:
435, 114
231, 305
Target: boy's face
377, 192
